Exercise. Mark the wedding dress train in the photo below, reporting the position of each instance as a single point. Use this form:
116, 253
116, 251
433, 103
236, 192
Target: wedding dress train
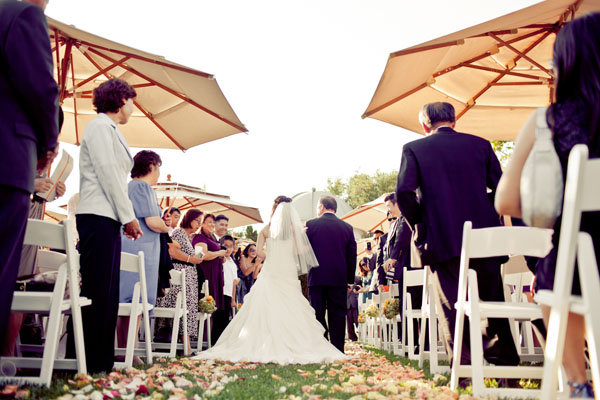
276, 322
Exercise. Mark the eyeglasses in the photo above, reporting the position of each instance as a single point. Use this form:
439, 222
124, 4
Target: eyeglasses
392, 219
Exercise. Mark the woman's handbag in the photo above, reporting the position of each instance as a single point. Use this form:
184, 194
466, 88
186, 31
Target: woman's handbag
541, 178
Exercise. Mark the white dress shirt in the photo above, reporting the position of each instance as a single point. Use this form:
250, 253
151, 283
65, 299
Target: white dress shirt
229, 275
104, 165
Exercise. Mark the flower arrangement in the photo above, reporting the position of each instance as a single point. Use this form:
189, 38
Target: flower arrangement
391, 308
362, 318
372, 311
238, 306
207, 305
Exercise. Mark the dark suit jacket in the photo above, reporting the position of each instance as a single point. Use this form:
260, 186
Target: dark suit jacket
381, 252
400, 251
28, 93
452, 172
335, 247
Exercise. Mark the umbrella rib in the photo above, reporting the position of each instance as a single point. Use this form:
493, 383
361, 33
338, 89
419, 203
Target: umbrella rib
425, 48
64, 67
501, 71
57, 45
75, 105
445, 71
102, 71
521, 54
159, 126
239, 212
150, 60
137, 104
361, 211
173, 92
373, 228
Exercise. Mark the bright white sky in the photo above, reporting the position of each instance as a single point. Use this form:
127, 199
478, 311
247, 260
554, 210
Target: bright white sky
298, 73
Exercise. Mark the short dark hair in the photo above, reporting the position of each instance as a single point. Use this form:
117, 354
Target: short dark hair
190, 215
226, 238
142, 162
109, 95
171, 210
378, 231
220, 217
433, 113
391, 197
328, 203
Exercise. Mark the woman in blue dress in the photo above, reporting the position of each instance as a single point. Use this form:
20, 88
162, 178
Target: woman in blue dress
144, 174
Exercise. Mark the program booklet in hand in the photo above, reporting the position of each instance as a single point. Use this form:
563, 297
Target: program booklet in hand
60, 174
199, 251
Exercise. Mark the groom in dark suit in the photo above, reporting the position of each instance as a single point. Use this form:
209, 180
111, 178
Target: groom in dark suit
445, 179
335, 248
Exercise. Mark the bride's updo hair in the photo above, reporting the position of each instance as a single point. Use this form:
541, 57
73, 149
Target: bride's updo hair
278, 200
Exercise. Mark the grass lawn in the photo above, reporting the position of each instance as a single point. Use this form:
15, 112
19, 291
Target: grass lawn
369, 373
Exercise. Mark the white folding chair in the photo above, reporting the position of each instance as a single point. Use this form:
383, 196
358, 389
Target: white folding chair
411, 278
516, 275
53, 304
138, 307
179, 316
203, 319
433, 316
582, 193
482, 243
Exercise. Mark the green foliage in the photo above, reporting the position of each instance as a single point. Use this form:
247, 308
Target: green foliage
503, 150
361, 188
251, 233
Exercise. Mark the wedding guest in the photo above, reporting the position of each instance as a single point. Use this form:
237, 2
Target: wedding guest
241, 287
27, 265
352, 312
175, 214
212, 267
29, 126
221, 225
144, 174
184, 259
230, 279
104, 207
574, 118
445, 202
371, 256
366, 276
165, 263
248, 265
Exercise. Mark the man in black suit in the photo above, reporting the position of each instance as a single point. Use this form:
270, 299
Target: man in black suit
372, 257
28, 127
335, 248
444, 181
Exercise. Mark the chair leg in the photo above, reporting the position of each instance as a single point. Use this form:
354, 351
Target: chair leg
51, 344
174, 334
201, 317
147, 337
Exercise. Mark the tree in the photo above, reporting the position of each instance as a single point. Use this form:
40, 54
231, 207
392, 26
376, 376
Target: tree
251, 233
361, 188
503, 150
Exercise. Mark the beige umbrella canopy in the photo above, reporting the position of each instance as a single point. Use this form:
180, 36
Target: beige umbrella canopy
369, 216
176, 107
184, 197
494, 73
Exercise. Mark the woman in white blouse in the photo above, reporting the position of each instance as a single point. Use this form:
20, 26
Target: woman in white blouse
104, 207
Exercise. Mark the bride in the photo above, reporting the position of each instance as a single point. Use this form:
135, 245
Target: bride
276, 323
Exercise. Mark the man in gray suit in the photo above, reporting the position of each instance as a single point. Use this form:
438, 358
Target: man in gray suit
28, 127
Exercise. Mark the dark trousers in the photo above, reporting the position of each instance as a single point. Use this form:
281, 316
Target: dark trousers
220, 320
100, 262
500, 352
333, 299
13, 214
351, 320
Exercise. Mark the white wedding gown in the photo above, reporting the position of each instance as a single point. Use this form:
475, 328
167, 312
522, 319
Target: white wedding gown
276, 323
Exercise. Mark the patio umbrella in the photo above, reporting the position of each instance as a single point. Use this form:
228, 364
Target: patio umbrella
495, 73
172, 194
369, 216
176, 107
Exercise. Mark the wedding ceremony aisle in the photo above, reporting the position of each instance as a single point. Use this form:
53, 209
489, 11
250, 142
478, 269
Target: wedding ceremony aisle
368, 374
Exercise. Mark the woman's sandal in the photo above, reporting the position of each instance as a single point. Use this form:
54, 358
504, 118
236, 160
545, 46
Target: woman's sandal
581, 390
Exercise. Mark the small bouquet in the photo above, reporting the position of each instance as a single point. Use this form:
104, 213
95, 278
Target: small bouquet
372, 311
207, 305
361, 318
238, 306
391, 308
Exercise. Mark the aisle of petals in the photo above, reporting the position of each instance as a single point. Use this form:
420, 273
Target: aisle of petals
363, 376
